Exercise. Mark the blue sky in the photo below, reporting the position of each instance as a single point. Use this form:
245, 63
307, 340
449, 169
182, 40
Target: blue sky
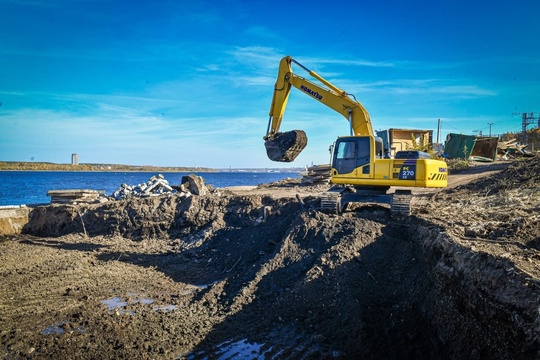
189, 83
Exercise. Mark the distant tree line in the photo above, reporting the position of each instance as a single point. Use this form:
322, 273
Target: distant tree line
47, 166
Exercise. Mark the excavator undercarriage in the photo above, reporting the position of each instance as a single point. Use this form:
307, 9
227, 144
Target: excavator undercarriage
336, 199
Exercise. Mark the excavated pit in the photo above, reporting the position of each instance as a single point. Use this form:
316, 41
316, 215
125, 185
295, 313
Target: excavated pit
255, 276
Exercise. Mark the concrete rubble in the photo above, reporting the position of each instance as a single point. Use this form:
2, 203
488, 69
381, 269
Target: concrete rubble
317, 174
158, 185
192, 184
75, 196
155, 186
13, 218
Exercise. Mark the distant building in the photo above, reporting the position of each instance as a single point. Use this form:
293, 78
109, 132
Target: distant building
74, 159
395, 140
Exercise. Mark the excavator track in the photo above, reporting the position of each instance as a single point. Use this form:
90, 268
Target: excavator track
286, 146
335, 200
331, 201
401, 203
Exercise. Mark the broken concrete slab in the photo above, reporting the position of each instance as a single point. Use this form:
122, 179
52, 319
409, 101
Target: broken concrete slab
13, 219
194, 184
74, 196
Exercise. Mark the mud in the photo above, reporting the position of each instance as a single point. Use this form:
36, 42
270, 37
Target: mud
263, 274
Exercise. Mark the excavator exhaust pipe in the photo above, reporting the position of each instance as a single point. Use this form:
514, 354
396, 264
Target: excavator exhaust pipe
286, 146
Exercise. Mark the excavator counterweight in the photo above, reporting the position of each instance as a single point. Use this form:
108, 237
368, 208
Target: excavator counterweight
285, 146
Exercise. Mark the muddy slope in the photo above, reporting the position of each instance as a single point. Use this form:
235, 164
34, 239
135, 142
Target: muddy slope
481, 240
256, 276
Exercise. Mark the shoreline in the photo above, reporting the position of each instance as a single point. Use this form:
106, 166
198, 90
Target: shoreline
247, 171
97, 167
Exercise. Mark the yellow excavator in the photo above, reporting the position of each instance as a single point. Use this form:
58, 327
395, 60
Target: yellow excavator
361, 168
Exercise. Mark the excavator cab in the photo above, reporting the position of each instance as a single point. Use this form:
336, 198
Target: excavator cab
351, 152
355, 152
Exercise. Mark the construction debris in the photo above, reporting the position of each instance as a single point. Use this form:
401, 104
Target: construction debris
193, 184
511, 149
316, 174
75, 196
157, 185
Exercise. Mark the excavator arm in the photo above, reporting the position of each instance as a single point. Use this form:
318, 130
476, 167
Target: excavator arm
285, 146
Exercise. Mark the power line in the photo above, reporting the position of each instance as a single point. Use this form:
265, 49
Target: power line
453, 127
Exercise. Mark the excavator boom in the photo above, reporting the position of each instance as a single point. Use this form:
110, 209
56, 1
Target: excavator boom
286, 146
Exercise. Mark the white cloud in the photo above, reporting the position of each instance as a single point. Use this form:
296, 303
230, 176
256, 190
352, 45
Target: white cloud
264, 59
346, 62
459, 88
262, 31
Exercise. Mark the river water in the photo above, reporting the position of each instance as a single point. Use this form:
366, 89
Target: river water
31, 187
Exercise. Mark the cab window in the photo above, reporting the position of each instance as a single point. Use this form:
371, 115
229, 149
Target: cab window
345, 157
346, 150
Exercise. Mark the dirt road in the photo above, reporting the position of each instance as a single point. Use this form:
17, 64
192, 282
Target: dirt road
263, 274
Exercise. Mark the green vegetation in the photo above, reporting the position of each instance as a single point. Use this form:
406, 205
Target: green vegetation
46, 166
422, 145
455, 165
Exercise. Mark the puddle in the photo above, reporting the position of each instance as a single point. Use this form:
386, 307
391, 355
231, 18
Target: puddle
117, 304
61, 328
114, 303
192, 289
165, 308
146, 301
240, 349
230, 350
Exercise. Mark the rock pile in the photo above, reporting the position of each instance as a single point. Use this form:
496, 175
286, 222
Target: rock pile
157, 185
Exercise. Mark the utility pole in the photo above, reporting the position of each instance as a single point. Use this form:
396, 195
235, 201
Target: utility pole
438, 130
490, 128
527, 119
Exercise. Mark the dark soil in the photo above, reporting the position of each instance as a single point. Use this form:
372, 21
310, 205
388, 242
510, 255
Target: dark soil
263, 274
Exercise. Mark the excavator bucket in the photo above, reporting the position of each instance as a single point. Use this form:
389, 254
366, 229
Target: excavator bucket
285, 146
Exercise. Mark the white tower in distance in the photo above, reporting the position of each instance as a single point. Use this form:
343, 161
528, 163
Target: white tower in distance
74, 159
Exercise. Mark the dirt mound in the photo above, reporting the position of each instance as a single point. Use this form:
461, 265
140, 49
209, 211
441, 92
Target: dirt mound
520, 174
503, 207
157, 217
482, 240
260, 276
